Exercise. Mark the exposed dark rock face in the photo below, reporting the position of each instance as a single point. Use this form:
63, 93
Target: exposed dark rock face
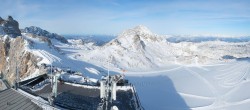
9, 27
1, 20
40, 32
12, 53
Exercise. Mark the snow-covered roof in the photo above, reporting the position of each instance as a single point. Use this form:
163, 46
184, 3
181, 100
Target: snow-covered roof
12, 100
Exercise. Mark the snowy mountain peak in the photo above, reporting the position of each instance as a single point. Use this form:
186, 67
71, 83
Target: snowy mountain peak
132, 49
136, 35
142, 29
38, 29
9, 27
136, 31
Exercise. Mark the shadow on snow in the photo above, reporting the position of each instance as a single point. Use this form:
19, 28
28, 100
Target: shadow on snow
158, 93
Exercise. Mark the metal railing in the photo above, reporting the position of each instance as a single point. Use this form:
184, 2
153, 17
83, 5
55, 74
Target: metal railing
138, 103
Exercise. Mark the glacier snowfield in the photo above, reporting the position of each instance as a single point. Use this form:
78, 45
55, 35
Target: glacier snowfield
223, 86
213, 86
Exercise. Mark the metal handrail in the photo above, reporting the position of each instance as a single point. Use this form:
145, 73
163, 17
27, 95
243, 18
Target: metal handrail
137, 98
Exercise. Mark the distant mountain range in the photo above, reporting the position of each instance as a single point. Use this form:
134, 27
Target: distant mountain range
98, 40
197, 39
139, 49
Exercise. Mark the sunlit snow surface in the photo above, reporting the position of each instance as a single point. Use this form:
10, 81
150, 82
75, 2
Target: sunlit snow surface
208, 87
222, 86
65, 57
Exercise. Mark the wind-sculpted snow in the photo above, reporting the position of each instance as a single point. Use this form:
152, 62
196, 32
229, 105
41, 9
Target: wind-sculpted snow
221, 86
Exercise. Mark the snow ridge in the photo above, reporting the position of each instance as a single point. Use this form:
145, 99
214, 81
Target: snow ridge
40, 32
139, 49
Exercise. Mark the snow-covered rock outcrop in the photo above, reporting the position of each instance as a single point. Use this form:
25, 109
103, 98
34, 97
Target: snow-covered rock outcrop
9, 27
12, 55
41, 32
15, 54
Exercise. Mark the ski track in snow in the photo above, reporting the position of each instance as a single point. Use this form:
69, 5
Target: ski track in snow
222, 106
211, 87
228, 77
223, 78
220, 103
234, 76
196, 96
152, 73
49, 56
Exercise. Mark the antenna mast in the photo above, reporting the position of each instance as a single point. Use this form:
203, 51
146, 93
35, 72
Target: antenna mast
17, 74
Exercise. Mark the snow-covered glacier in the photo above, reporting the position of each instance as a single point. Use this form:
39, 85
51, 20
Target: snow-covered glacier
190, 74
168, 75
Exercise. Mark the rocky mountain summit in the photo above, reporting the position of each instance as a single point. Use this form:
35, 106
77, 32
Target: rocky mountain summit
14, 46
41, 32
12, 55
134, 48
9, 27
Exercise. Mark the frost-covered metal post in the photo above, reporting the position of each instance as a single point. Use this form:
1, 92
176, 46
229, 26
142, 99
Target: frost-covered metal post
102, 89
113, 95
1, 74
54, 89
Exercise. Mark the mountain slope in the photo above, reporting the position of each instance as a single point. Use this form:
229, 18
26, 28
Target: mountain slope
133, 49
139, 49
30, 54
41, 32
12, 55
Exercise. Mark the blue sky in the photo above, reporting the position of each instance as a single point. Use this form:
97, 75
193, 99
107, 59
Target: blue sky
178, 17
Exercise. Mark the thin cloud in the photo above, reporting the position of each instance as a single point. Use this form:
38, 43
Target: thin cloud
17, 8
113, 16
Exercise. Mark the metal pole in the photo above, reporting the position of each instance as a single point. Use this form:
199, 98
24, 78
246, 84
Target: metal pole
108, 67
51, 74
17, 73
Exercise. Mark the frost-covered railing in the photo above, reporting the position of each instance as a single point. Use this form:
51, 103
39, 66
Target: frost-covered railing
32, 76
138, 103
41, 84
7, 84
45, 106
